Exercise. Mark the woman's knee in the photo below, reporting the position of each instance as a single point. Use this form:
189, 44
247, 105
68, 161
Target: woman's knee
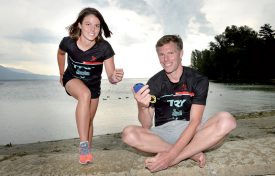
85, 95
78, 89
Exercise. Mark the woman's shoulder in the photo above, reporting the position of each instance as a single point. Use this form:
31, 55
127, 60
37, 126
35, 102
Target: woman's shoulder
105, 47
103, 43
67, 40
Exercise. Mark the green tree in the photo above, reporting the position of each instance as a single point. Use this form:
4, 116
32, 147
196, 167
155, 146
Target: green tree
266, 33
239, 53
267, 45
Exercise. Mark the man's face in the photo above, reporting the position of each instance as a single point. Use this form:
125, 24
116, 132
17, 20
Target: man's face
170, 57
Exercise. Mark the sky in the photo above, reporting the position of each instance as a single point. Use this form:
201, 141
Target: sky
31, 30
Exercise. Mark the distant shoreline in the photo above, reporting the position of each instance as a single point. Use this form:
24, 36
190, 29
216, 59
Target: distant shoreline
257, 114
257, 82
46, 79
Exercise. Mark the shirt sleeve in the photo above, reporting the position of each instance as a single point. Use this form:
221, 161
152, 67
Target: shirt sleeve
63, 44
201, 91
108, 52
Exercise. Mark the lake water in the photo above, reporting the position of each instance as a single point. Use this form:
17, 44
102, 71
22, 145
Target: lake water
32, 111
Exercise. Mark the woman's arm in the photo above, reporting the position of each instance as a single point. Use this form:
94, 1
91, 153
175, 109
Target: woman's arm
61, 63
114, 75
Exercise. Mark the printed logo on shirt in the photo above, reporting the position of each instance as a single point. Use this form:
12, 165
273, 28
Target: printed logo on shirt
83, 70
93, 58
177, 103
184, 87
176, 100
176, 113
92, 61
184, 91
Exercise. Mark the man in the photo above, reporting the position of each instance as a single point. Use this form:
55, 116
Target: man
179, 132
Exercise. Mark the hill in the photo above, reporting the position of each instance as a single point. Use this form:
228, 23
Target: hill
19, 74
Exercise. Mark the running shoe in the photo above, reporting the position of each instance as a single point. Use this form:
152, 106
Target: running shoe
85, 155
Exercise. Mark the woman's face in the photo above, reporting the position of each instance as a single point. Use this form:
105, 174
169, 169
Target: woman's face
90, 27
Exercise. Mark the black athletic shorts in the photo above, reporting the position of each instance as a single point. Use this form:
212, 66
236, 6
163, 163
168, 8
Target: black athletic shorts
93, 87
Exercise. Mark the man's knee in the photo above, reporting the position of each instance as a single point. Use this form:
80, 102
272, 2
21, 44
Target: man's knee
129, 135
226, 122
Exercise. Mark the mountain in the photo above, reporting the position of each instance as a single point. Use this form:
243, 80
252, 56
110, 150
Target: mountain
19, 70
7, 73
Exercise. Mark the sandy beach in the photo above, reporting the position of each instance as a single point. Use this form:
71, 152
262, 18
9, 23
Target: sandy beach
249, 150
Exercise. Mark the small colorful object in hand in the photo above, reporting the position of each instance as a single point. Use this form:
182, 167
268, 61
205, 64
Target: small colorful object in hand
138, 86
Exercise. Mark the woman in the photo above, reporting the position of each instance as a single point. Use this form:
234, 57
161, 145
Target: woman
87, 52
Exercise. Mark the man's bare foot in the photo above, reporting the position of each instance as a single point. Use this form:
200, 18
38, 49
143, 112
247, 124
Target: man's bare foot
200, 159
150, 160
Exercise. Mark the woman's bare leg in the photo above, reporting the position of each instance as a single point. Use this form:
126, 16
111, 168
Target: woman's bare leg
93, 108
82, 94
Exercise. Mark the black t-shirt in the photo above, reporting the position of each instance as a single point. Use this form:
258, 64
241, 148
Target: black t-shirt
174, 100
86, 65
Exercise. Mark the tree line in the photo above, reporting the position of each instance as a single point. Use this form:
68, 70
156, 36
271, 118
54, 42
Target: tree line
238, 54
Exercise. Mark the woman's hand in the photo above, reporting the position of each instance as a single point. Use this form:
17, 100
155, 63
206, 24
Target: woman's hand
61, 79
117, 76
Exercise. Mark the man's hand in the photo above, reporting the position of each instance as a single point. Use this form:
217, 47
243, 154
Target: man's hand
160, 162
143, 97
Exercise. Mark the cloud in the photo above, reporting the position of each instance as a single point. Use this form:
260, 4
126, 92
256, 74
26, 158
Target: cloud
139, 23
36, 35
31, 33
100, 3
173, 15
253, 13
